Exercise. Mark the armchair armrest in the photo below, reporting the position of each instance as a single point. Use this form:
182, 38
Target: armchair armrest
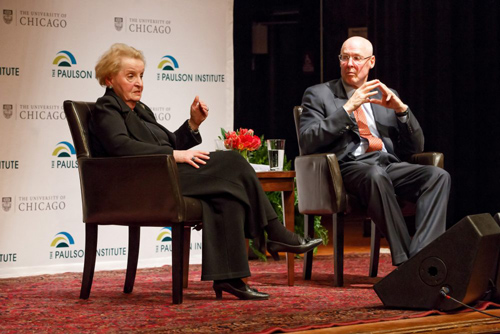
319, 184
320, 187
124, 190
428, 158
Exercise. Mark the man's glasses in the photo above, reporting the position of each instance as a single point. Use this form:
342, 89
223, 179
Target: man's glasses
355, 59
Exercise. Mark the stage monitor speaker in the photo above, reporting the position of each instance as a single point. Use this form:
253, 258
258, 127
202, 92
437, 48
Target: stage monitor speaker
461, 261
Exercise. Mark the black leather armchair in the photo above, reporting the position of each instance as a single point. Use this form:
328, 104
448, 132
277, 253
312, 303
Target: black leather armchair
131, 191
321, 192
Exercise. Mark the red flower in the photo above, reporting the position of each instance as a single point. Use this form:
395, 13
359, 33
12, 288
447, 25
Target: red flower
242, 140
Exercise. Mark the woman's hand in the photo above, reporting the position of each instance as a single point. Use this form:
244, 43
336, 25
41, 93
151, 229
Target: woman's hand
199, 113
192, 157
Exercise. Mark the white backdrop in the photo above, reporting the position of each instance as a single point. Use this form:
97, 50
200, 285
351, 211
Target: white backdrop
49, 50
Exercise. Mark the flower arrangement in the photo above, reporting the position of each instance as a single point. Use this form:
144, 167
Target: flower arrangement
242, 140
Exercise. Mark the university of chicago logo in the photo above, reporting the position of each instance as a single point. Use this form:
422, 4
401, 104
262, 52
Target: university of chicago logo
118, 23
7, 110
6, 203
8, 14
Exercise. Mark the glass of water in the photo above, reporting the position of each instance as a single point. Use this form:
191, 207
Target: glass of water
219, 145
276, 153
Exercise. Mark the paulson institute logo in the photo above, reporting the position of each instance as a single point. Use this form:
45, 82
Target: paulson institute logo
65, 61
165, 234
63, 242
62, 154
165, 238
168, 65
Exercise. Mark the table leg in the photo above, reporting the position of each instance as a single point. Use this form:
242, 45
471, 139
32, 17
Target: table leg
288, 199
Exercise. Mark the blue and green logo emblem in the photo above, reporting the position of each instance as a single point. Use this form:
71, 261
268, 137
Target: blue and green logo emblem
64, 150
61, 153
63, 244
163, 239
66, 67
165, 234
64, 59
168, 63
62, 240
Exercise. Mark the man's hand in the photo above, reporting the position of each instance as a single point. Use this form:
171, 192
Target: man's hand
199, 112
390, 100
362, 95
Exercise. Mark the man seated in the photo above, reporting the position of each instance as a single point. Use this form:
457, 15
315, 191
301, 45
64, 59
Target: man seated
373, 133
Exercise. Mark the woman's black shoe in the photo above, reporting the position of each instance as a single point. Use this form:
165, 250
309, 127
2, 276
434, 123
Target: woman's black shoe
273, 247
245, 293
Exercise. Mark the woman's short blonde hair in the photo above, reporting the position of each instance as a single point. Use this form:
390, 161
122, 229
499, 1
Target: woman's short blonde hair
111, 61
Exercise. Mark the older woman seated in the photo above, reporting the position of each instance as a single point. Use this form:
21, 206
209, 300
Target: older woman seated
234, 204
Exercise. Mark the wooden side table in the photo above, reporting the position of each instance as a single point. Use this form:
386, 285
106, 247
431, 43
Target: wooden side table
284, 182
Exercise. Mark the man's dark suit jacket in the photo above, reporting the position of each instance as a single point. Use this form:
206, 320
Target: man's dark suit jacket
325, 127
119, 131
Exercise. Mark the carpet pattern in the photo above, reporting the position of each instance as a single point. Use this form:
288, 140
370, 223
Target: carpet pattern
49, 303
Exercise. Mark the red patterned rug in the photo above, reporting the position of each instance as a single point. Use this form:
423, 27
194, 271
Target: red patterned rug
50, 303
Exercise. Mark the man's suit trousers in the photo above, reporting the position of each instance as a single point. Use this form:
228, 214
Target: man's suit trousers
378, 178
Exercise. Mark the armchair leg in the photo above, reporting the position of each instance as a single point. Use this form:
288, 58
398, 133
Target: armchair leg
338, 249
134, 236
90, 256
177, 262
185, 254
308, 257
374, 250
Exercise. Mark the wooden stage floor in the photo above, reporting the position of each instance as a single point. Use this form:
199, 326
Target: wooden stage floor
473, 322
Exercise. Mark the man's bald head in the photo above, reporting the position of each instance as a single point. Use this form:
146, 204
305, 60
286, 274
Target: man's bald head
361, 43
360, 60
